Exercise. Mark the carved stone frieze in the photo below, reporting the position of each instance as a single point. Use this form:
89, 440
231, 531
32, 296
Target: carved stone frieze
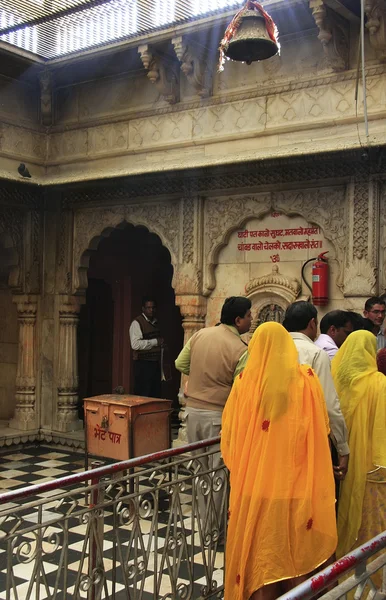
232, 177
195, 65
376, 26
162, 218
333, 35
45, 81
162, 72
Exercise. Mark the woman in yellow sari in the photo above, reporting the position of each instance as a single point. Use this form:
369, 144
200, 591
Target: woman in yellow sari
274, 441
362, 393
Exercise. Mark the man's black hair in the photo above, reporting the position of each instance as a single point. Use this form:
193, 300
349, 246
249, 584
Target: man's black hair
298, 315
338, 318
357, 321
148, 299
233, 307
372, 302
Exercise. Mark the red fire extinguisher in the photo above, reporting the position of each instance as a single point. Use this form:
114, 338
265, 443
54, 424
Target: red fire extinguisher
319, 288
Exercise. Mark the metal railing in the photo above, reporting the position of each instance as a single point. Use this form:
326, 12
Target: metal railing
150, 527
361, 580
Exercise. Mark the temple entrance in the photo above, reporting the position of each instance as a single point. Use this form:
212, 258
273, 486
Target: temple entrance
129, 264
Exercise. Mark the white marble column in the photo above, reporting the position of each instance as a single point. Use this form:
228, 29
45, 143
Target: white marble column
68, 381
193, 312
25, 416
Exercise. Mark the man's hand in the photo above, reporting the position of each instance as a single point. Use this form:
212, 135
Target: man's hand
341, 469
160, 341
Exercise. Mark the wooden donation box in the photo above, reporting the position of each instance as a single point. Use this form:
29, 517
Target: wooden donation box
123, 427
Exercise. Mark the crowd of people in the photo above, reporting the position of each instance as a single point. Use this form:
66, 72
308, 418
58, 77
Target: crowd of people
303, 434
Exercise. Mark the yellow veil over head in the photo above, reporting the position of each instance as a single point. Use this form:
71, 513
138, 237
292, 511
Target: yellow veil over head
362, 393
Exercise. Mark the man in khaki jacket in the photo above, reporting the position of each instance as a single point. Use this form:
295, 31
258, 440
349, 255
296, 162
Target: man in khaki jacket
212, 358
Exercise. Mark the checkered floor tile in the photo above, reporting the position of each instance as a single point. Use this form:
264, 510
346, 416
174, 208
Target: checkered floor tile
40, 464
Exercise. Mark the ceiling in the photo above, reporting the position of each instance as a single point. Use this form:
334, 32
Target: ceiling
55, 28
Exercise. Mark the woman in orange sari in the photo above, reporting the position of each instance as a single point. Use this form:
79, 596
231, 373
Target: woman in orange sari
274, 441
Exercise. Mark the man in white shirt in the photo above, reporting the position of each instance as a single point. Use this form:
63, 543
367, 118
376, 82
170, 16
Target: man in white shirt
301, 320
146, 343
335, 326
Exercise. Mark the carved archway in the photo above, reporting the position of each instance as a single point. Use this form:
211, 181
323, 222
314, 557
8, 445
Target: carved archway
324, 207
91, 225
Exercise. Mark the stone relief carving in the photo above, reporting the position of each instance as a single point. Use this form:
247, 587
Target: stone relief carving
324, 207
333, 35
359, 278
23, 143
376, 25
11, 228
92, 224
270, 295
188, 230
275, 284
383, 237
361, 219
195, 65
162, 72
45, 81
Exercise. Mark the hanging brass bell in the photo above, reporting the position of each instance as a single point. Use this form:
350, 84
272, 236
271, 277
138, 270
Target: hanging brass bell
251, 41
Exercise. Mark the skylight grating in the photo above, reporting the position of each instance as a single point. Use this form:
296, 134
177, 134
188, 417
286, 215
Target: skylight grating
54, 28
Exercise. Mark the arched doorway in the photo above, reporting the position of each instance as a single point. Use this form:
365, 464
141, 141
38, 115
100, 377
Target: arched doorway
130, 263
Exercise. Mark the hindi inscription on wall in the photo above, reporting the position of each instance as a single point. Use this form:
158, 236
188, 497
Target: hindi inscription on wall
280, 239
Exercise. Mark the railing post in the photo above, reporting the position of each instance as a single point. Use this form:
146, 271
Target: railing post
96, 530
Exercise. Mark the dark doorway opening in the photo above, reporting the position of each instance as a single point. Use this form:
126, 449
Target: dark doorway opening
129, 264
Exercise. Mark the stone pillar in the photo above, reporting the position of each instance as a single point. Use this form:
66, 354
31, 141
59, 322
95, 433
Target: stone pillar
193, 312
26, 417
67, 399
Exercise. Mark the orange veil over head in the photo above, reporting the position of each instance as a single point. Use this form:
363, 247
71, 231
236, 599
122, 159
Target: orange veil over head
274, 441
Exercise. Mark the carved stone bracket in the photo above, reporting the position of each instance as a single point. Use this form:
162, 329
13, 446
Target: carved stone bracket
162, 73
25, 417
333, 35
195, 65
45, 81
376, 25
68, 381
